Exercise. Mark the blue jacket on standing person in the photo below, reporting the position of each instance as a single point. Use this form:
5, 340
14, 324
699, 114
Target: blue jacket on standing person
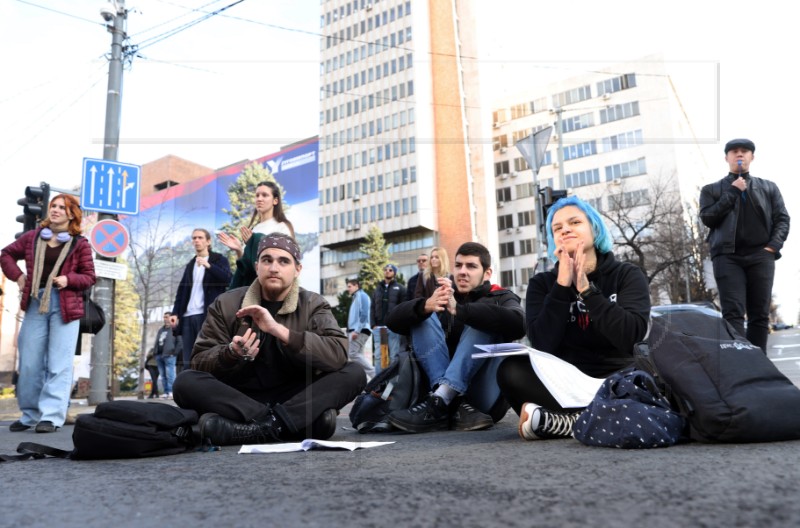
358, 318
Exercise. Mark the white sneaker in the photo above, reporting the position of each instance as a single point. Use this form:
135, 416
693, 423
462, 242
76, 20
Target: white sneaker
536, 423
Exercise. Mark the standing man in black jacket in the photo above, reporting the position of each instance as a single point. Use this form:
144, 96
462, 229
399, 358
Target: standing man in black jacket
388, 294
205, 277
422, 263
445, 328
749, 224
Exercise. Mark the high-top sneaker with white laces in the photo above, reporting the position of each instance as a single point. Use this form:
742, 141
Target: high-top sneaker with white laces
536, 423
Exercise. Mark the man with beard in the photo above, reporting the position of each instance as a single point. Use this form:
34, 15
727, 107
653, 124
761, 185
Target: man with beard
270, 363
445, 328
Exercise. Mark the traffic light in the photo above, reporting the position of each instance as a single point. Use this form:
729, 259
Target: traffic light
547, 197
34, 206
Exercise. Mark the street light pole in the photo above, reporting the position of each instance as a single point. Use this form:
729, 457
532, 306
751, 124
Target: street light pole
116, 18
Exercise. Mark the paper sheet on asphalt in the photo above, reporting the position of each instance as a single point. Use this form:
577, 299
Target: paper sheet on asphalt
569, 386
308, 445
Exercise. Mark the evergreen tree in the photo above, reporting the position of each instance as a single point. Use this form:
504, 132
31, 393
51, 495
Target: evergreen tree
376, 257
241, 194
342, 310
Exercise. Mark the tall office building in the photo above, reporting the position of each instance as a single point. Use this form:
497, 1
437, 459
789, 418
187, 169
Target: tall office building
400, 133
620, 137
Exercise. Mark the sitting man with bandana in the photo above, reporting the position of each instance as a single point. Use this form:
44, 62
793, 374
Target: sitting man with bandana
270, 362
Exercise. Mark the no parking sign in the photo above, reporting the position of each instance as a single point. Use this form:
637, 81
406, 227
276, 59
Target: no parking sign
109, 238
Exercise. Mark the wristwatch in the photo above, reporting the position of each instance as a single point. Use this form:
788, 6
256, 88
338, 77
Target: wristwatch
588, 292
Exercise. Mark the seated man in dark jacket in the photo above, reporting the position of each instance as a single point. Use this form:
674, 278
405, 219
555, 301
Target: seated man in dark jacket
471, 312
270, 363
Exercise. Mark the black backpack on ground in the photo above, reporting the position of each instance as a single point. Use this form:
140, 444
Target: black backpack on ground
726, 388
123, 429
401, 385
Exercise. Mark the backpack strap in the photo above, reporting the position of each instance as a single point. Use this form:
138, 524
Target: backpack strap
33, 451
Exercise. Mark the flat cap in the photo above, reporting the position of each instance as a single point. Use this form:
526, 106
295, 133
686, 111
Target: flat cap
740, 143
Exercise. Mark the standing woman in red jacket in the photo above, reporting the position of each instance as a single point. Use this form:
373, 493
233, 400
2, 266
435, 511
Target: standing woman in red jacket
59, 267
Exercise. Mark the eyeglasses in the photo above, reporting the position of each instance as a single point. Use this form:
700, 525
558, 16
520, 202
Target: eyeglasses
422, 261
388, 269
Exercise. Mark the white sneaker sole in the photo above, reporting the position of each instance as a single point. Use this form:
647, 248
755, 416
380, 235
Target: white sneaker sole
524, 417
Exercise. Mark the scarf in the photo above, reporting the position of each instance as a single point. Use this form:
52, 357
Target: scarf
38, 264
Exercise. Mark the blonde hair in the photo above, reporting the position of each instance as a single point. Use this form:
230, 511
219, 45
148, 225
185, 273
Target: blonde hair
444, 268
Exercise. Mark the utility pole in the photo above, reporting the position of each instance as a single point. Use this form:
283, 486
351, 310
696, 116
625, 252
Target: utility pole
532, 149
562, 184
116, 17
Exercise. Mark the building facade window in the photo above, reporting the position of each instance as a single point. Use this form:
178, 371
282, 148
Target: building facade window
623, 82
626, 170
575, 95
579, 179
620, 111
622, 141
507, 249
507, 278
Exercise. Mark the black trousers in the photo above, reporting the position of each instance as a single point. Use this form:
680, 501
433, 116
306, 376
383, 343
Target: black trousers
744, 283
153, 379
520, 385
297, 404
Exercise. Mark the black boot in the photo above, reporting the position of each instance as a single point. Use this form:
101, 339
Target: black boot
221, 431
322, 428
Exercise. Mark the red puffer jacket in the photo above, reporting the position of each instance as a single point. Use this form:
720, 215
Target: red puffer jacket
78, 268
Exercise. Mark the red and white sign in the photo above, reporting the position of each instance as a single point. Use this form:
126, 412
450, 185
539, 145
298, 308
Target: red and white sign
109, 238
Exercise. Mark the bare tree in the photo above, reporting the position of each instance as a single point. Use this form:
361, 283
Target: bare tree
654, 230
156, 266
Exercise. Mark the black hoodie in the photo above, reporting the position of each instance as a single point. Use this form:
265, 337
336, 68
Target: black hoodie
602, 342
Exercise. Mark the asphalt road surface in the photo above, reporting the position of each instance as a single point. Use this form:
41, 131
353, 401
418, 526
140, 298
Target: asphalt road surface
485, 478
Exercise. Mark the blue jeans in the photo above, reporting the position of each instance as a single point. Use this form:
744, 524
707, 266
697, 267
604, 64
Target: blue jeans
475, 378
46, 350
166, 370
394, 346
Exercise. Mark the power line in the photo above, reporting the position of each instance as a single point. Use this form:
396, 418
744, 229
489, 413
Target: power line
184, 15
61, 12
158, 38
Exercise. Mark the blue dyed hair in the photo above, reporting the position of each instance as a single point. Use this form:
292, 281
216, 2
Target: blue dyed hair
602, 238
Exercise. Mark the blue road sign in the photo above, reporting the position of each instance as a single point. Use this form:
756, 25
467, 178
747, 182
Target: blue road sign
110, 186
109, 238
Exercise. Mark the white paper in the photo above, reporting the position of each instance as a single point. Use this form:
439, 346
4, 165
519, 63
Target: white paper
500, 349
569, 386
309, 444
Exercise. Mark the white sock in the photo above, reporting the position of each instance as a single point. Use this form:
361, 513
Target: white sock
445, 392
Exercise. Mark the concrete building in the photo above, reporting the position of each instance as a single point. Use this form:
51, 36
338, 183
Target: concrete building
619, 136
400, 133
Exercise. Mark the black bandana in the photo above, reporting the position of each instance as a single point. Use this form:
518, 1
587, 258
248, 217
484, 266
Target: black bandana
280, 241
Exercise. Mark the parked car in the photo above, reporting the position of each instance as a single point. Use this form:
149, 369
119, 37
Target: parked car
702, 307
781, 326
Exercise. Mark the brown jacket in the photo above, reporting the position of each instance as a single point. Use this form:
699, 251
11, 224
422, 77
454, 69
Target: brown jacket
315, 340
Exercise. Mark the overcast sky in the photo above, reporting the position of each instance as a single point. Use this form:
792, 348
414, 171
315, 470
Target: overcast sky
242, 85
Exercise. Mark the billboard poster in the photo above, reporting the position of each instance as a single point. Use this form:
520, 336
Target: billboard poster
162, 230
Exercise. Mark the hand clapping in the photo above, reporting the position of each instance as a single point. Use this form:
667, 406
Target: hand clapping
571, 270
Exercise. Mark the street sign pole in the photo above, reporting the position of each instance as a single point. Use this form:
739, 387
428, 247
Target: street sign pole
100, 367
532, 149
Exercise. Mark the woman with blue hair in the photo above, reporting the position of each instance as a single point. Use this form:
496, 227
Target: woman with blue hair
589, 310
